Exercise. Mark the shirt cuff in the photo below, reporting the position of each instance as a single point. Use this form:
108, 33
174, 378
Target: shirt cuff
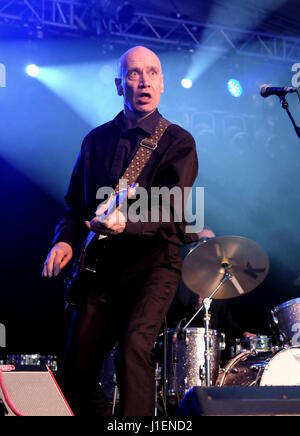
134, 229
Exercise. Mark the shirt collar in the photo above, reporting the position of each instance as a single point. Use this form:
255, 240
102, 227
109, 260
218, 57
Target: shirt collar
148, 125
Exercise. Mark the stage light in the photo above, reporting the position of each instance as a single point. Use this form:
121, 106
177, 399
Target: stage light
186, 83
234, 87
32, 70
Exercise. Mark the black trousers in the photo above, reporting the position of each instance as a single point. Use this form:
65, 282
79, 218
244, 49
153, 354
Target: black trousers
128, 309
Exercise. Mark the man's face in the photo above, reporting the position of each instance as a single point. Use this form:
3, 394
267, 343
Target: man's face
141, 83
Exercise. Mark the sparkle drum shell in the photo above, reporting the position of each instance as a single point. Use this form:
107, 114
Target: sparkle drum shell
285, 322
186, 359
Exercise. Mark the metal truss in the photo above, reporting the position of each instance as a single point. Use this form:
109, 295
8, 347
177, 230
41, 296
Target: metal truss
79, 18
61, 14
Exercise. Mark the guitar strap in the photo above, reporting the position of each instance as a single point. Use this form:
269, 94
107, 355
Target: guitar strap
138, 163
144, 152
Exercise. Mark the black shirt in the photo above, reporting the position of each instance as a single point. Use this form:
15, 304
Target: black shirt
105, 155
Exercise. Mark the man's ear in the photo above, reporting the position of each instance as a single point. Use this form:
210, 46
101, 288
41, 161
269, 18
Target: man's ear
162, 86
118, 83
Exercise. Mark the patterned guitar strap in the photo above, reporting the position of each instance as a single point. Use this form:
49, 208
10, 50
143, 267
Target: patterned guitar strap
138, 162
144, 152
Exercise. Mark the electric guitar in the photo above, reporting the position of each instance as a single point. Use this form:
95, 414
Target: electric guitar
86, 262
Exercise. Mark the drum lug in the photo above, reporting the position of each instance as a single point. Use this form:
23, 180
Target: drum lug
255, 367
186, 384
274, 317
222, 343
201, 373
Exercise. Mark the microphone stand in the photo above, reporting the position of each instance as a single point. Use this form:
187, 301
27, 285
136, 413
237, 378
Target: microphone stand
285, 106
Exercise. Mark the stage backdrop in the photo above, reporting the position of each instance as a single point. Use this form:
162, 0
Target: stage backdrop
248, 163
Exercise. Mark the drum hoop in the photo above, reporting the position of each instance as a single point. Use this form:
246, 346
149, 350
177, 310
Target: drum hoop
231, 363
197, 330
285, 305
259, 337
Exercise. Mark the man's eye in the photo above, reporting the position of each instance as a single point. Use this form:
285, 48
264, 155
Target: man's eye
133, 74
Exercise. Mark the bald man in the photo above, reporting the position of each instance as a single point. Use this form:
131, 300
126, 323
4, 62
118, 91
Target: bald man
126, 296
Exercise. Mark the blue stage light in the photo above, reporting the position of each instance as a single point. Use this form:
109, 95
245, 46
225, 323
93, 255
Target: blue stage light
32, 70
186, 83
234, 87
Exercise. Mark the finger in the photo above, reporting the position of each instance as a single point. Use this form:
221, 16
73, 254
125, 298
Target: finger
65, 261
88, 225
57, 263
116, 218
45, 271
49, 263
110, 222
102, 208
92, 225
97, 226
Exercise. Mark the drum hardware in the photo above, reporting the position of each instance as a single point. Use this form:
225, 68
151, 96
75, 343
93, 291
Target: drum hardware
230, 265
260, 343
258, 366
206, 305
274, 324
157, 378
207, 339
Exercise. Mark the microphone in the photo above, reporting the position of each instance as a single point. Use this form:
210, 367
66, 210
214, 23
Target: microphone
266, 90
177, 330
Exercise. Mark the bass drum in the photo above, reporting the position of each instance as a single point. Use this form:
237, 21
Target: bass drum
249, 368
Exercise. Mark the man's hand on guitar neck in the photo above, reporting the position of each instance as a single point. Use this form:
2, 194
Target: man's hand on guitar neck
57, 259
113, 224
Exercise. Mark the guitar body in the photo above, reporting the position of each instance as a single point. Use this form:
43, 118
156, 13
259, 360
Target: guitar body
84, 268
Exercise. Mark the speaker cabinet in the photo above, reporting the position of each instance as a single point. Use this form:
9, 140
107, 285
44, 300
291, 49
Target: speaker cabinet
233, 400
35, 392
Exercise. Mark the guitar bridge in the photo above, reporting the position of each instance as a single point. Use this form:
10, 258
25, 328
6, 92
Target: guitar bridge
90, 270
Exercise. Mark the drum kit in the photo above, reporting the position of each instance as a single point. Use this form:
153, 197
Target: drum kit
220, 268
224, 268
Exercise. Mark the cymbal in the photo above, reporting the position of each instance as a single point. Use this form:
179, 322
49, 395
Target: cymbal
205, 266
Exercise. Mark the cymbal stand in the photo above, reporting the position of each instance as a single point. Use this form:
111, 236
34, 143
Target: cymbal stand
207, 336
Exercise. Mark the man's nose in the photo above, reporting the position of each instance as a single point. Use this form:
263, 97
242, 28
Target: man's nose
144, 80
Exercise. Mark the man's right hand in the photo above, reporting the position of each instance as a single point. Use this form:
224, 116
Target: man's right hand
57, 259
